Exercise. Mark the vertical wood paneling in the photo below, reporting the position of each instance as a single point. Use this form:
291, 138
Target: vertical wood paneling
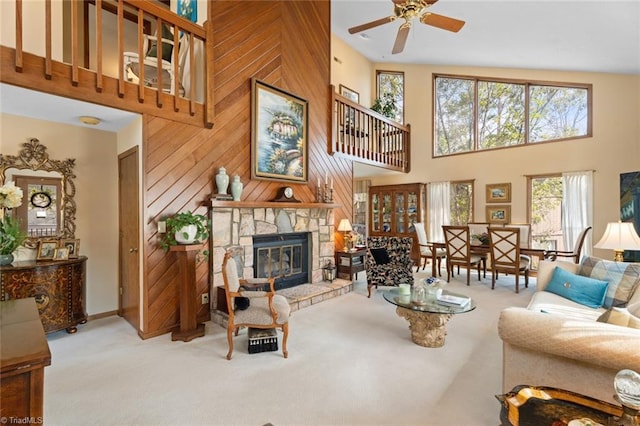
283, 43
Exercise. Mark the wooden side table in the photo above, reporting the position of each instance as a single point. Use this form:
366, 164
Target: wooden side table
351, 262
189, 327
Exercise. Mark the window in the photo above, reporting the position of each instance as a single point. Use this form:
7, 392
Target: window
472, 114
461, 207
545, 212
391, 90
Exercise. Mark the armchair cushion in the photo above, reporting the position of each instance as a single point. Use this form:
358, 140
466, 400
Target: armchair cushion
586, 291
167, 48
380, 255
259, 314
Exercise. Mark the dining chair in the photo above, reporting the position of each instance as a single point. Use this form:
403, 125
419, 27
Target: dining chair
479, 228
505, 255
426, 249
261, 309
577, 249
458, 247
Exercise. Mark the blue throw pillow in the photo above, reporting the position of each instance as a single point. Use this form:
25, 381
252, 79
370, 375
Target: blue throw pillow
584, 290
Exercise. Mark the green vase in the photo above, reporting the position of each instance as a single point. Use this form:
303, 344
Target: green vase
6, 259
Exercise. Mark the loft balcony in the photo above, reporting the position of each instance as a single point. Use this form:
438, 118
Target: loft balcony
367, 137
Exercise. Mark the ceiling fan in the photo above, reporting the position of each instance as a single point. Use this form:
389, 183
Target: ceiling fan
409, 10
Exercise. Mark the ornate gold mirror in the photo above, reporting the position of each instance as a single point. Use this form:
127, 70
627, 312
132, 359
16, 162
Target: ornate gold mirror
48, 209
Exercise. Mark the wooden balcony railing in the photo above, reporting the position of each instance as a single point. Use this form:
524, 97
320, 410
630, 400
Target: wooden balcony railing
368, 137
191, 97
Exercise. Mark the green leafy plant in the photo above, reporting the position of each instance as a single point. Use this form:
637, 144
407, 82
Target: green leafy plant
179, 220
385, 105
11, 236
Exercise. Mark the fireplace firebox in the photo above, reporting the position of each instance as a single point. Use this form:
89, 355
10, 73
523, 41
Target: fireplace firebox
284, 257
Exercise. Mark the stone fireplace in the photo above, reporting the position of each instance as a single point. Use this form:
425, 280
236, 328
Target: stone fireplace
237, 224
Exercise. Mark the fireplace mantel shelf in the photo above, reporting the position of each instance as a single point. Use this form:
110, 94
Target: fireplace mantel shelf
270, 204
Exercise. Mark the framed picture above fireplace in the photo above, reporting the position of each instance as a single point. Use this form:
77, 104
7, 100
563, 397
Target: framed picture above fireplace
279, 134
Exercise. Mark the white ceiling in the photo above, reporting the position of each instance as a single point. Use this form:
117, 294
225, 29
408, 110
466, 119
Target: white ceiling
30, 103
576, 35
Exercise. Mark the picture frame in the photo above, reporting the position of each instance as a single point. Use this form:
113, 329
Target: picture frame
46, 249
349, 93
73, 245
498, 214
279, 134
61, 253
188, 9
499, 192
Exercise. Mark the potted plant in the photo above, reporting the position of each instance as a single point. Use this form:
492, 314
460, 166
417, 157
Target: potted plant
185, 228
11, 236
385, 105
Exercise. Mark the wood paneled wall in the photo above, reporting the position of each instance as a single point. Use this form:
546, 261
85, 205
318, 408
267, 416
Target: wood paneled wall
283, 43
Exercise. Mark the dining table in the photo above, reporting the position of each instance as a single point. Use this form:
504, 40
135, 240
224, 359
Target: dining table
479, 249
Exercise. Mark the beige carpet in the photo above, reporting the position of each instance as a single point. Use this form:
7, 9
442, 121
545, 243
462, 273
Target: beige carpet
351, 362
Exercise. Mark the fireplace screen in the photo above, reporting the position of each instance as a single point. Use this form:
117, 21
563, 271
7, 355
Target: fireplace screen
284, 257
279, 261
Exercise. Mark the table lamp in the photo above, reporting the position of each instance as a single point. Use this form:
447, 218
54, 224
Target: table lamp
619, 236
345, 226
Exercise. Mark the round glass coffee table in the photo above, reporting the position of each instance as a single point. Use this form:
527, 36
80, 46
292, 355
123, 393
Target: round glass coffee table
427, 322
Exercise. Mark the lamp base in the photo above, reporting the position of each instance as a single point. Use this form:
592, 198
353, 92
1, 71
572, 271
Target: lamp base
618, 257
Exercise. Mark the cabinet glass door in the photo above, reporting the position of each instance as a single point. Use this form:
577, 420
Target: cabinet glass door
400, 213
412, 210
375, 212
386, 212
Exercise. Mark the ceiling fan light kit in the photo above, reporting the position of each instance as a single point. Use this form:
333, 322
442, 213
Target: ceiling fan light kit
409, 10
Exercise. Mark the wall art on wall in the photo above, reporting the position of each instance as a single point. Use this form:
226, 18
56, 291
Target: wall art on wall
498, 214
278, 134
188, 9
350, 94
499, 193
630, 207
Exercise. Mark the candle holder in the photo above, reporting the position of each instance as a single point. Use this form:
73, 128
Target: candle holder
324, 193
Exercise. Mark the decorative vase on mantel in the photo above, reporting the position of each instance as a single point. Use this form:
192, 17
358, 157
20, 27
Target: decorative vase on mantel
222, 180
6, 259
190, 231
236, 188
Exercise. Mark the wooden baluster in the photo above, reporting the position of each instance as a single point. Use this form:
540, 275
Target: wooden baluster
209, 65
141, 48
176, 69
159, 45
47, 39
192, 75
18, 64
121, 49
75, 23
99, 46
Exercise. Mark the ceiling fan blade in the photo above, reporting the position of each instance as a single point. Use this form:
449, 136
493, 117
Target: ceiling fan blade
441, 21
401, 38
371, 24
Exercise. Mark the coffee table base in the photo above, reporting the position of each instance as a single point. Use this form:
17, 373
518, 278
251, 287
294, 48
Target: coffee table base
427, 329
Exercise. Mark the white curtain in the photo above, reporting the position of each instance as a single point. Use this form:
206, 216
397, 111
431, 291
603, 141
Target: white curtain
439, 214
577, 209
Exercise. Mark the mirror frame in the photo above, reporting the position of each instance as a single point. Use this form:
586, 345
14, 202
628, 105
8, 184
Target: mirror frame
34, 156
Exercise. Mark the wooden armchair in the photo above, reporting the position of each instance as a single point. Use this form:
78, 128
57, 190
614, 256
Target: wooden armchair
266, 309
575, 254
458, 245
505, 255
388, 261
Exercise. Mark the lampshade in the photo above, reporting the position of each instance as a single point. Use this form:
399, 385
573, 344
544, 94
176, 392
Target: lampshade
344, 226
619, 236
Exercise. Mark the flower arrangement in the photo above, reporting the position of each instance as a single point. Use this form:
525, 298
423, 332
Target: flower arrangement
11, 236
483, 238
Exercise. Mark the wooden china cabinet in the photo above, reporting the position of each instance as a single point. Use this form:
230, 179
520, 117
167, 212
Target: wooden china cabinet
394, 209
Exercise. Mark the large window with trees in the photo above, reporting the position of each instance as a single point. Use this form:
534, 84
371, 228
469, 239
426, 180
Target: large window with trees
461, 202
545, 211
473, 114
390, 95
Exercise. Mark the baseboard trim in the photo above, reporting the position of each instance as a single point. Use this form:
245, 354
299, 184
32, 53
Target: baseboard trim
102, 315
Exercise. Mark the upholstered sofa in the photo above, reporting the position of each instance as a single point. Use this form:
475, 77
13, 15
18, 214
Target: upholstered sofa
560, 343
388, 261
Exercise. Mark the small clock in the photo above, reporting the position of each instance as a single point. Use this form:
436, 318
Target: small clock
41, 199
285, 194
